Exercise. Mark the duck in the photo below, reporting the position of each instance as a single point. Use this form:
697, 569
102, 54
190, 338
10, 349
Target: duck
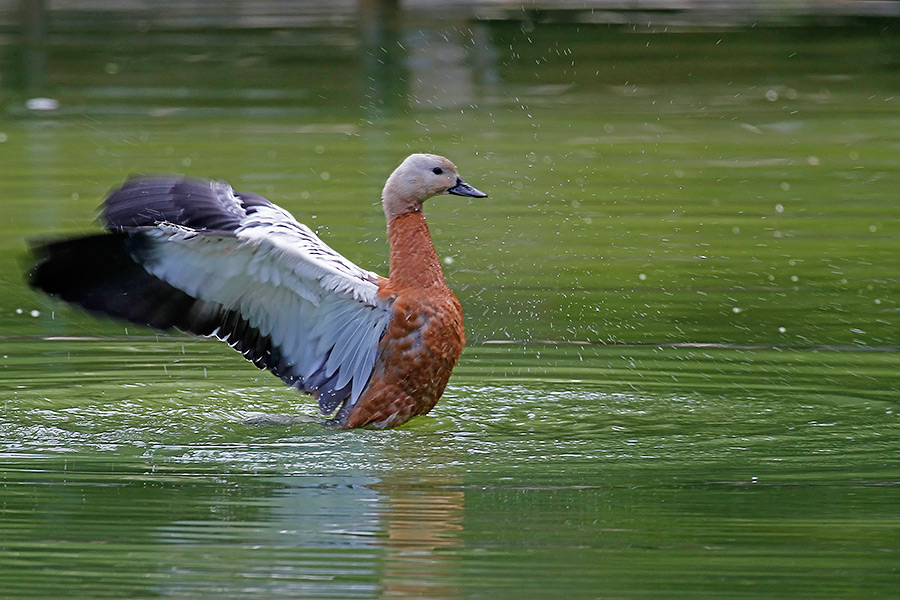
181, 253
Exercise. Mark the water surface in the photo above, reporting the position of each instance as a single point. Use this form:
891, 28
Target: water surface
681, 298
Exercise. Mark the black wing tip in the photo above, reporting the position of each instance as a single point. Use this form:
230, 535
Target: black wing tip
148, 200
145, 200
52, 261
135, 180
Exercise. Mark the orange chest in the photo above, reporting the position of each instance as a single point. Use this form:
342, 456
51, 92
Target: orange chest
427, 324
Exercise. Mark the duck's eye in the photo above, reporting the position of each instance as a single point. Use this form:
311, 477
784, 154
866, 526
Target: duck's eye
437, 171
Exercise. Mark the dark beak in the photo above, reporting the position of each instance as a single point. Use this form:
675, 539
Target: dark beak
464, 189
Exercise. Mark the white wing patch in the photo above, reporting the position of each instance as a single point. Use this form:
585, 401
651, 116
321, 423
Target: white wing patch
319, 309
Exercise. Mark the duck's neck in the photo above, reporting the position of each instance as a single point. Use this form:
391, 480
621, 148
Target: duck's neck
413, 259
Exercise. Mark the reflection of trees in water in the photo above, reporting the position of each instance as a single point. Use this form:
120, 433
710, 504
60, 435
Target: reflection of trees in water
145, 15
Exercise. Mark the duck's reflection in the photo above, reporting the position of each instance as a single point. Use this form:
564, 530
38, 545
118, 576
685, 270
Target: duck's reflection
422, 522
323, 536
392, 536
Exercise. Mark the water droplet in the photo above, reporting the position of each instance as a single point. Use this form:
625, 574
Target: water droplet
41, 104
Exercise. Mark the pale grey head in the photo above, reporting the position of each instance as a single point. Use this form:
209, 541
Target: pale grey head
418, 178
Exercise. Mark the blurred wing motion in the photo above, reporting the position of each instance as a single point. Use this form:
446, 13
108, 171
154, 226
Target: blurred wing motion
194, 255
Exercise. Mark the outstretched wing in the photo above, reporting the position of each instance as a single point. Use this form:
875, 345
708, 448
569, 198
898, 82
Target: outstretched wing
196, 256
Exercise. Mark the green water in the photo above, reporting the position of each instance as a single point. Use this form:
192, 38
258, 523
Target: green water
682, 300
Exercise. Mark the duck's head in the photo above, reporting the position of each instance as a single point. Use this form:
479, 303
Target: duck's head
418, 178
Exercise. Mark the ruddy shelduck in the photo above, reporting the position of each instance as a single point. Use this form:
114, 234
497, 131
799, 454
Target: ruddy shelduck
194, 255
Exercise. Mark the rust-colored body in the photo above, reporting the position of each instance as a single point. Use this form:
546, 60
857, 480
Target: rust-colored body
424, 338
